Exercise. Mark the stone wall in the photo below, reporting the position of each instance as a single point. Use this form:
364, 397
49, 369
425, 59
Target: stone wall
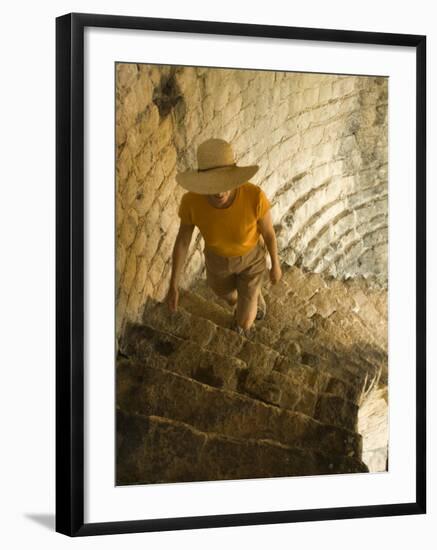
373, 426
320, 141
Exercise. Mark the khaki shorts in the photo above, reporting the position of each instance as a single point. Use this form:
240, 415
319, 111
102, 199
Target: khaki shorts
242, 273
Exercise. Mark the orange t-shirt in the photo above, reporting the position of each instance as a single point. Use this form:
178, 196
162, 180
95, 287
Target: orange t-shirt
230, 231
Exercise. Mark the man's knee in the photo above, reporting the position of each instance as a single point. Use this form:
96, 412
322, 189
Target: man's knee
231, 297
249, 295
246, 310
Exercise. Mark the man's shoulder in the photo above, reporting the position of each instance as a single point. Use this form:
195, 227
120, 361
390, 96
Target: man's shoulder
250, 187
189, 197
252, 190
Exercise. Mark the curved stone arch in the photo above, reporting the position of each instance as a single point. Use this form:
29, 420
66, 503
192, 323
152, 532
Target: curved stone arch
299, 241
333, 252
309, 133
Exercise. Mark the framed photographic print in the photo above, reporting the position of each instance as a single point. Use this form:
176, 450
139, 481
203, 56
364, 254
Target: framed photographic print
240, 274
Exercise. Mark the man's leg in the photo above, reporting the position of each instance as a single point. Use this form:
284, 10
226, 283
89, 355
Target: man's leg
246, 310
231, 298
220, 279
249, 282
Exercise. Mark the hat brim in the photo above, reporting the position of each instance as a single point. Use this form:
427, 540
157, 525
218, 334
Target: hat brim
217, 180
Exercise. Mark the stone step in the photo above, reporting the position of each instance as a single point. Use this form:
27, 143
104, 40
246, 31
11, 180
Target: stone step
364, 296
348, 297
209, 309
153, 449
201, 301
318, 379
300, 313
348, 326
311, 352
287, 312
152, 390
207, 334
278, 290
197, 304
350, 352
360, 354
264, 334
381, 304
200, 306
338, 332
160, 349
284, 335
340, 291
303, 284
334, 295
293, 276
201, 288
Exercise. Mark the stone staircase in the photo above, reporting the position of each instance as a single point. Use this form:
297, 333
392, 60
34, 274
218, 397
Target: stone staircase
196, 401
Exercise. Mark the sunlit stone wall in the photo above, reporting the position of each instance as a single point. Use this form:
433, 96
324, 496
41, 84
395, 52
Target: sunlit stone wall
320, 141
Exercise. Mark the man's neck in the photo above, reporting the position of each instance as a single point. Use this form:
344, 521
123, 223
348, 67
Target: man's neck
228, 202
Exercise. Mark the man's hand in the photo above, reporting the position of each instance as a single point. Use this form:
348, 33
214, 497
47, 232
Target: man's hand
172, 298
275, 274
267, 231
180, 250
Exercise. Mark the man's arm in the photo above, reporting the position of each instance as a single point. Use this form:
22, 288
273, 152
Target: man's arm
179, 255
267, 231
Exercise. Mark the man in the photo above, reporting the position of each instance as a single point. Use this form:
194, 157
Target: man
233, 216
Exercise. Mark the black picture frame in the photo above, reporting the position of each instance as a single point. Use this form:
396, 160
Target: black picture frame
70, 272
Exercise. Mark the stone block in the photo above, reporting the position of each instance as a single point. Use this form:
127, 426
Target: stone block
119, 212
325, 92
312, 137
257, 356
296, 103
323, 153
120, 261
221, 96
225, 342
134, 141
186, 79
168, 160
304, 121
153, 449
206, 367
261, 388
310, 98
120, 130
143, 163
143, 201
129, 228
124, 164
128, 104
120, 308
207, 109
337, 412
128, 190
148, 122
308, 80
129, 271
156, 269
152, 242
134, 303
126, 74
164, 133
141, 275
323, 303
344, 86
232, 109
143, 89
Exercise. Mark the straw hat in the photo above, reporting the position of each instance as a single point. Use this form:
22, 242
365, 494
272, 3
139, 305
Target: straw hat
217, 170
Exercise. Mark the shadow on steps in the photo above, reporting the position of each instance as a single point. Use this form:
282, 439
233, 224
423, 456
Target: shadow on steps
196, 401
